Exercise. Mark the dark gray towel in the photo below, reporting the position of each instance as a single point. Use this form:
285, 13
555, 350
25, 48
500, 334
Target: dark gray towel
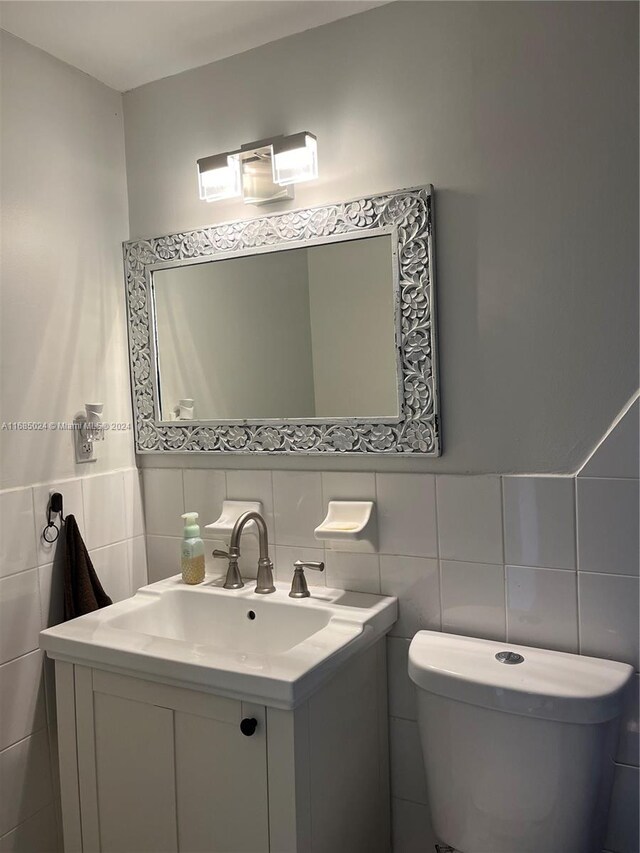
83, 592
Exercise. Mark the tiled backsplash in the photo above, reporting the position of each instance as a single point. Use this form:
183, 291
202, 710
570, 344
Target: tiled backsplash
545, 561
108, 509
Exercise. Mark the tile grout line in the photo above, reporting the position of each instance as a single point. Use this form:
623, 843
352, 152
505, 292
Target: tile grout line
575, 546
26, 737
377, 553
30, 817
23, 655
273, 508
35, 525
503, 523
435, 503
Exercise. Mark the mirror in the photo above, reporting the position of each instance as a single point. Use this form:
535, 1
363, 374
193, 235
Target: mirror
295, 334
309, 331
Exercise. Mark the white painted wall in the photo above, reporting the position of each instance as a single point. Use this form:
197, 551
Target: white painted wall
351, 303
235, 336
62, 342
524, 117
64, 215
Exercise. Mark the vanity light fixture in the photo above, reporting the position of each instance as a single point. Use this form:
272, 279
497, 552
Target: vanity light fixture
295, 158
219, 177
261, 171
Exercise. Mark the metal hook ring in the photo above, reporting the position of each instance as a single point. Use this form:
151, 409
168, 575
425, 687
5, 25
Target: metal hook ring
48, 527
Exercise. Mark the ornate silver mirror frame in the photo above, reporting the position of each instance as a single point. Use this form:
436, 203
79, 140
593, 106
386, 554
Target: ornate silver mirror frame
407, 215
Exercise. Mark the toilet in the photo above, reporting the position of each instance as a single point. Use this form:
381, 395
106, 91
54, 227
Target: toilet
517, 743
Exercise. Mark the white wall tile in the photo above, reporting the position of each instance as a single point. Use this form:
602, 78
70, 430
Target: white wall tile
253, 486
25, 780
17, 532
71, 491
51, 583
204, 492
38, 834
137, 558
473, 599
133, 507
112, 567
19, 614
163, 557
22, 706
629, 742
356, 572
407, 766
539, 521
411, 830
286, 557
622, 835
416, 583
402, 691
470, 518
608, 513
163, 501
347, 486
608, 607
103, 499
618, 455
542, 608
298, 507
407, 514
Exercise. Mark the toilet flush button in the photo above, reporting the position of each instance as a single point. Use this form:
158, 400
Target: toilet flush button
509, 657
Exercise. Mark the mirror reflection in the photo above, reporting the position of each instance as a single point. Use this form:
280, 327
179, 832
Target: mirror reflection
300, 333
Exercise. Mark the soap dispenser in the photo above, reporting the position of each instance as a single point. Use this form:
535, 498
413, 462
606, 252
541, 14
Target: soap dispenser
192, 550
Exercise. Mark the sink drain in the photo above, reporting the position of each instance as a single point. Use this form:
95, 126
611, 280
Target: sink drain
509, 657
251, 614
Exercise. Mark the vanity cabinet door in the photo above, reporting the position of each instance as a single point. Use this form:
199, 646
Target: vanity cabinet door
135, 776
163, 769
221, 785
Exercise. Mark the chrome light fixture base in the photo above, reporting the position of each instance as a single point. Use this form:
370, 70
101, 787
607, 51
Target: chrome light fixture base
261, 172
258, 186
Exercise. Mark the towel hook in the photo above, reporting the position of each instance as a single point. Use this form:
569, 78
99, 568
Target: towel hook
55, 506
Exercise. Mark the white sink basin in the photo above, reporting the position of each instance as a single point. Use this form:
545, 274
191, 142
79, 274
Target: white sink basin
225, 622
270, 649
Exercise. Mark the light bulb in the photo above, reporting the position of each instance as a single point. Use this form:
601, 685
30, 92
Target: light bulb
219, 177
295, 159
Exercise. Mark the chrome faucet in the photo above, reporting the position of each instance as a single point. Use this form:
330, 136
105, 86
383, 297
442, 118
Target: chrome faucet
233, 580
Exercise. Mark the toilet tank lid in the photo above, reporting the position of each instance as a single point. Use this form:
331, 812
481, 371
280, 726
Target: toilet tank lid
545, 684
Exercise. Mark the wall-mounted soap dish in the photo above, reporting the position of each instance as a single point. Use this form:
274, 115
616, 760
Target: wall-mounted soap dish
349, 526
231, 512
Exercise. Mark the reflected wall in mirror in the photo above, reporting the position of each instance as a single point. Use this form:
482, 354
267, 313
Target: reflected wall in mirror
310, 331
296, 334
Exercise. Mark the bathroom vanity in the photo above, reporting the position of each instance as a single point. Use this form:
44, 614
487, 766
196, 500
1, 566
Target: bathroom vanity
202, 719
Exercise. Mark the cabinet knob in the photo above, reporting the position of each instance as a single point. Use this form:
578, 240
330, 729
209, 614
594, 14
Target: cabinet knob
248, 726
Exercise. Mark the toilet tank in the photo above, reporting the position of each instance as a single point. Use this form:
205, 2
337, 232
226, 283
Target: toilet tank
517, 743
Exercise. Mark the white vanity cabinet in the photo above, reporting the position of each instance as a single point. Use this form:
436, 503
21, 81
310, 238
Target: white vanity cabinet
150, 767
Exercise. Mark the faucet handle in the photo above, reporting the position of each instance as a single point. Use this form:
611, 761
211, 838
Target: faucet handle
233, 579
299, 588
317, 565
